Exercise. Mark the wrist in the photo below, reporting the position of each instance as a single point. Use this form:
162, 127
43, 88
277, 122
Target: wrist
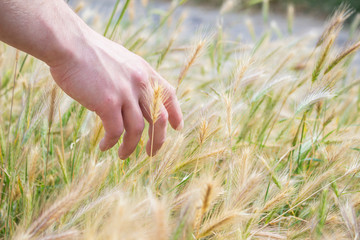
68, 35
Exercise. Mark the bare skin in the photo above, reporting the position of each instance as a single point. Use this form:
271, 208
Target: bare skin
100, 74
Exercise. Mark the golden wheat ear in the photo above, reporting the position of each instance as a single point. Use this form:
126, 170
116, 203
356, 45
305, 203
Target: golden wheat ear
202, 41
53, 97
352, 49
242, 65
323, 57
208, 193
96, 174
158, 97
335, 23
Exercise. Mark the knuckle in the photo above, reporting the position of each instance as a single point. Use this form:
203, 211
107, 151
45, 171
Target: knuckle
140, 78
109, 101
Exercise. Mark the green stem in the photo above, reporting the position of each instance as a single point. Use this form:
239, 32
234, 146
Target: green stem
120, 18
111, 17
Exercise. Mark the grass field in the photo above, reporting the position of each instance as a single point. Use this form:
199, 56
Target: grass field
270, 147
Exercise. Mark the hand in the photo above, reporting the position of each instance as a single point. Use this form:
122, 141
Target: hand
107, 78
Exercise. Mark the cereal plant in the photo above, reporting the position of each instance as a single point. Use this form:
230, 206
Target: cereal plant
270, 147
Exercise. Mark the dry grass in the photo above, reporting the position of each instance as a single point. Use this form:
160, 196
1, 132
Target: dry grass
270, 147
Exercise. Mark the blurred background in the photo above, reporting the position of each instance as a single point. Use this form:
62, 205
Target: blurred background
325, 5
315, 6
240, 19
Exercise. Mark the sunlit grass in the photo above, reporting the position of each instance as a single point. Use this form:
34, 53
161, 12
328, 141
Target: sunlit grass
270, 147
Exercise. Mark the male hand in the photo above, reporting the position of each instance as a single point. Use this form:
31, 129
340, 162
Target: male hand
101, 75
107, 78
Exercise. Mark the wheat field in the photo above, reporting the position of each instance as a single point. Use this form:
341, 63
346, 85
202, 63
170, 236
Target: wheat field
270, 147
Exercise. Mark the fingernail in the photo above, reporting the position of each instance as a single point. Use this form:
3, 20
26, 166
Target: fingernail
102, 145
123, 157
181, 125
121, 154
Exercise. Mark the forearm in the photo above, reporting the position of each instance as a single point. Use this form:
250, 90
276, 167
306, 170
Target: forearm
47, 29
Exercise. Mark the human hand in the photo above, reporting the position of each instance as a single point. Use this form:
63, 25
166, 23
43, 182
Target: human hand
101, 75
108, 79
